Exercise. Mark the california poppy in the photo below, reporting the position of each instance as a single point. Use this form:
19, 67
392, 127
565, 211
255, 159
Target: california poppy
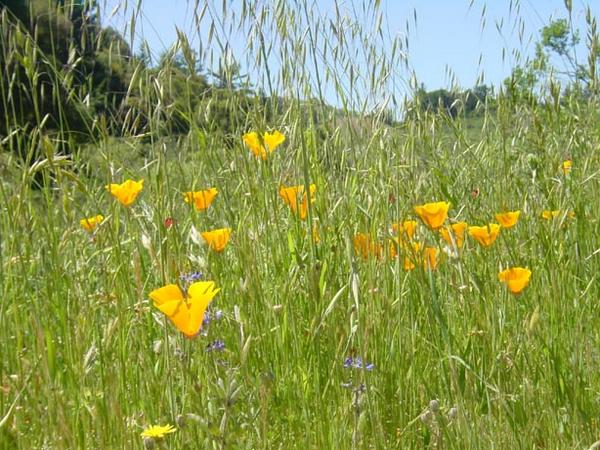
201, 199
412, 257
262, 147
430, 258
126, 192
433, 214
485, 235
296, 199
455, 231
405, 229
91, 223
508, 219
516, 278
217, 239
365, 246
549, 215
185, 312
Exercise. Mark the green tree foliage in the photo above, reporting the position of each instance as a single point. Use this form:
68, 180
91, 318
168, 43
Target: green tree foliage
556, 58
60, 69
451, 102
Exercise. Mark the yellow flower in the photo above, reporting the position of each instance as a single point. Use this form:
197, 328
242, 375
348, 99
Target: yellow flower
201, 199
365, 246
262, 147
186, 313
290, 196
430, 258
217, 239
508, 219
126, 192
412, 257
566, 166
158, 431
516, 278
406, 228
315, 234
458, 233
433, 214
485, 235
91, 223
549, 215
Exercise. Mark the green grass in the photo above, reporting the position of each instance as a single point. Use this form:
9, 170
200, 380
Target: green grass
88, 362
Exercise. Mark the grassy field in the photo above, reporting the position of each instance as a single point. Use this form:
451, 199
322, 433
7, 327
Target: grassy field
312, 341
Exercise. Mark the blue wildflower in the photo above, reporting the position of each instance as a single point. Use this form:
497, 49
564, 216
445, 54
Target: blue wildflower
357, 363
209, 316
191, 277
216, 346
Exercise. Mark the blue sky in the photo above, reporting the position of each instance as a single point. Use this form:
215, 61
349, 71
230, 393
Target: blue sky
453, 41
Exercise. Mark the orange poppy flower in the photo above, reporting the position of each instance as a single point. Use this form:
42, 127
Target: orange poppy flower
405, 229
185, 312
295, 196
91, 223
430, 258
201, 199
455, 231
217, 239
126, 192
508, 219
485, 235
365, 246
262, 147
549, 215
433, 214
412, 256
516, 278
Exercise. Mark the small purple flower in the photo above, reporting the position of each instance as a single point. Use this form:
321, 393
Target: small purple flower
357, 363
191, 277
216, 346
209, 316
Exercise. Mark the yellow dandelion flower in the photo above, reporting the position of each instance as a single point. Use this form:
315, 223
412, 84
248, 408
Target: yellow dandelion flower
217, 239
516, 278
200, 199
91, 223
261, 147
566, 166
508, 219
158, 431
433, 214
126, 192
485, 235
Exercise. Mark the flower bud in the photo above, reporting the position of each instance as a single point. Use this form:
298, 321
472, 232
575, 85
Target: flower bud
434, 406
453, 413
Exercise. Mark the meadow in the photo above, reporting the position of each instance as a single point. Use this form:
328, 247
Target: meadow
346, 316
